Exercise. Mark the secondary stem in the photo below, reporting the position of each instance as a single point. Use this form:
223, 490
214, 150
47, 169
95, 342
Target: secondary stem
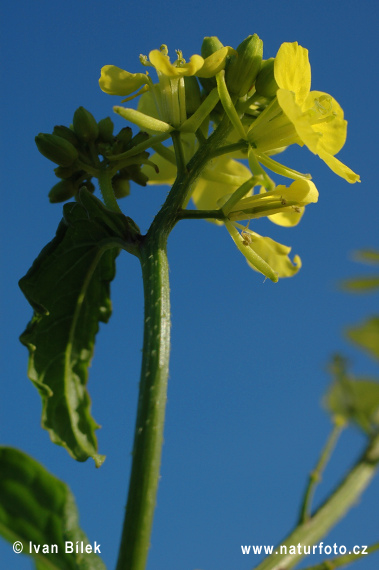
315, 476
105, 183
334, 508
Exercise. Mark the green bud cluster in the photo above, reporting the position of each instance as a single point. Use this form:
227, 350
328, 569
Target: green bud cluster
82, 150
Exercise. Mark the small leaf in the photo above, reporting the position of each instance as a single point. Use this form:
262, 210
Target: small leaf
360, 284
68, 287
38, 508
353, 399
366, 336
370, 256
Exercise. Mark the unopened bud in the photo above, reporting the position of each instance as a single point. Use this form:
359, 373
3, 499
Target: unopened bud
139, 138
62, 191
85, 125
243, 68
65, 171
265, 83
105, 129
133, 172
66, 133
125, 135
121, 187
210, 45
56, 149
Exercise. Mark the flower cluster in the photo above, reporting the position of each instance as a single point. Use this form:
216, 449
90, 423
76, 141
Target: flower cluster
269, 106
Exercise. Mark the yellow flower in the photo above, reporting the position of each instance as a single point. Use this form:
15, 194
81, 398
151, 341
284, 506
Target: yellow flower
300, 116
169, 93
263, 254
283, 206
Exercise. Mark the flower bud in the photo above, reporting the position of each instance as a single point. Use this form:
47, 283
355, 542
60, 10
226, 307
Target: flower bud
121, 186
139, 138
133, 172
265, 83
66, 133
85, 125
62, 191
193, 97
65, 171
56, 149
243, 68
105, 129
125, 135
210, 45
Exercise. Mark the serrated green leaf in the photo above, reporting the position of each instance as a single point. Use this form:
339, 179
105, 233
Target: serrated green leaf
353, 399
360, 284
38, 508
68, 287
366, 336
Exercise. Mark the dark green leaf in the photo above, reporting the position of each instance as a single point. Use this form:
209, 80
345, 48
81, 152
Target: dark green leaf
68, 287
38, 508
366, 336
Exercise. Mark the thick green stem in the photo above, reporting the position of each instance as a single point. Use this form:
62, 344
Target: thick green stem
334, 508
151, 409
148, 437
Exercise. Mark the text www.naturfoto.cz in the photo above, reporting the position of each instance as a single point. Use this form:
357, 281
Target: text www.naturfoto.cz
304, 549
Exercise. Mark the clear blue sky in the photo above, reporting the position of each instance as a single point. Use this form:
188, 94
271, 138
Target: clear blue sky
244, 420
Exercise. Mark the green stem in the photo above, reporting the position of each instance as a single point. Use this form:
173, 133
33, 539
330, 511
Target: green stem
105, 183
165, 152
179, 153
334, 508
315, 476
229, 148
201, 215
151, 409
148, 437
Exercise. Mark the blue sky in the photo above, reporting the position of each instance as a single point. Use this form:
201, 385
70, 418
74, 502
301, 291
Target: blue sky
244, 418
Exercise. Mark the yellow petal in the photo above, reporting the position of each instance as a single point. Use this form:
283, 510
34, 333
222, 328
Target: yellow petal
333, 131
339, 168
116, 81
253, 258
301, 191
162, 64
215, 62
301, 121
209, 193
292, 70
275, 255
287, 219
